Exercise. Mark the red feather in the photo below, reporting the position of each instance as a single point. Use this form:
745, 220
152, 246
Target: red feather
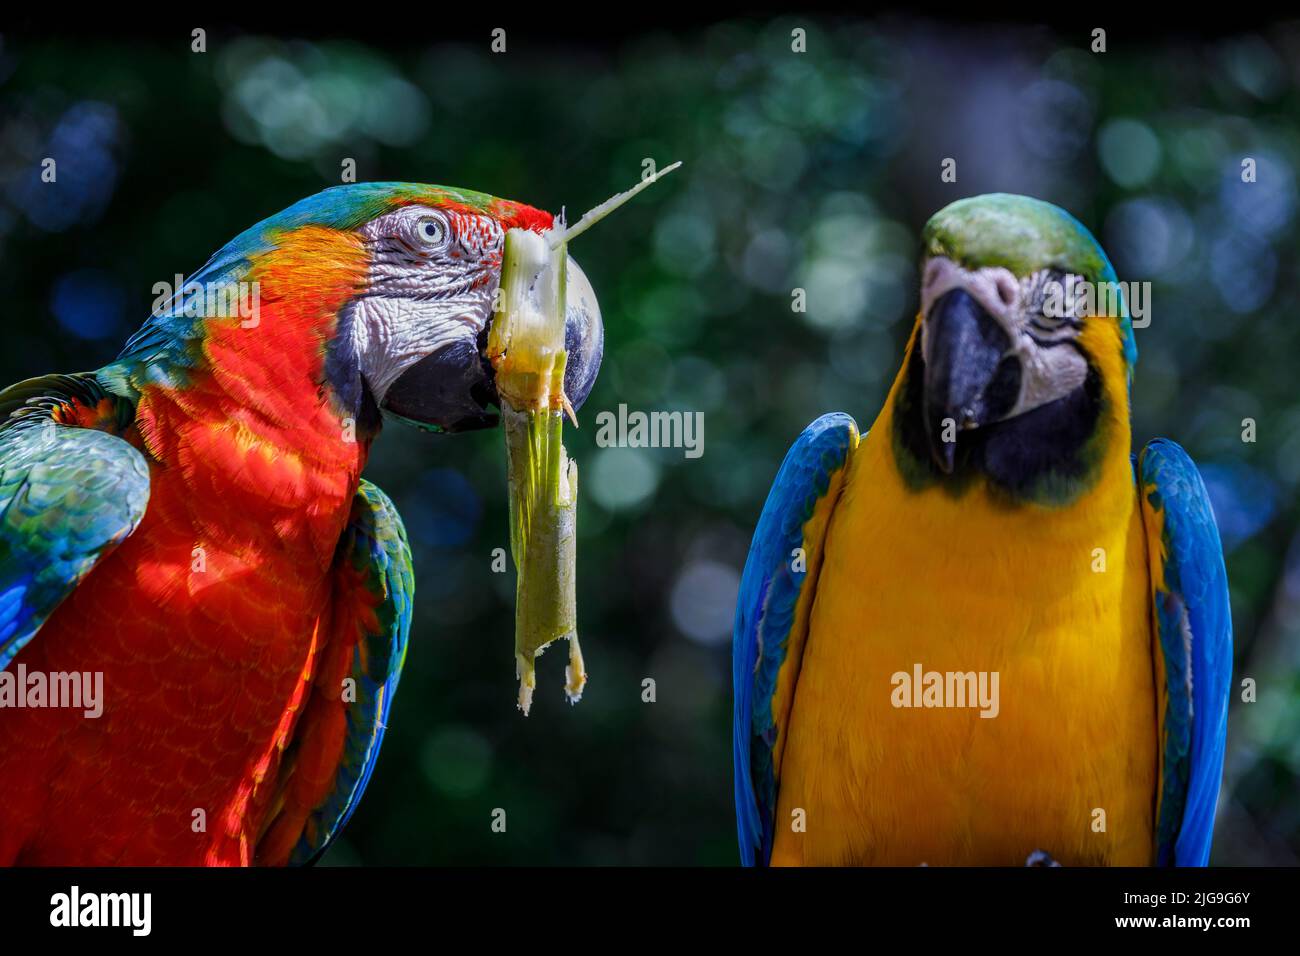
206, 672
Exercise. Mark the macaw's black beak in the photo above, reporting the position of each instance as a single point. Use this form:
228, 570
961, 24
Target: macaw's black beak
450, 390
454, 389
970, 380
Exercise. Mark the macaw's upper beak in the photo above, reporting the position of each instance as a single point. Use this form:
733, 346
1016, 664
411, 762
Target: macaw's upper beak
454, 389
970, 379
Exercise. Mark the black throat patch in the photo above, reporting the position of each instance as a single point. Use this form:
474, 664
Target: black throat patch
1048, 455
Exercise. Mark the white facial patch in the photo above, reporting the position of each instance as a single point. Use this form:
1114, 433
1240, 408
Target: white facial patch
432, 277
392, 334
1050, 367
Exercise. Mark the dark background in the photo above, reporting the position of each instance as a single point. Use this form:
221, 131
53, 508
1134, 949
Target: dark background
813, 170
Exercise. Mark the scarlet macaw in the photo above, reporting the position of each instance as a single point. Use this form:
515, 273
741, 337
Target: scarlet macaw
989, 541
190, 522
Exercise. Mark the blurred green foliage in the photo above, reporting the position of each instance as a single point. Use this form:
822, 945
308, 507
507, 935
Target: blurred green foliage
807, 170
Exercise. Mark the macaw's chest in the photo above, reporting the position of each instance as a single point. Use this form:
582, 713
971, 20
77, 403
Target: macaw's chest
977, 683
207, 625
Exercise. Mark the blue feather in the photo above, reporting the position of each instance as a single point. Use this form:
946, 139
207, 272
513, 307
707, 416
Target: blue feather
375, 543
769, 595
68, 496
1194, 631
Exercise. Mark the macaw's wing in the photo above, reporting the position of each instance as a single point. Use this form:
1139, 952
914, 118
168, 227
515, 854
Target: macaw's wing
335, 744
1193, 630
771, 624
69, 493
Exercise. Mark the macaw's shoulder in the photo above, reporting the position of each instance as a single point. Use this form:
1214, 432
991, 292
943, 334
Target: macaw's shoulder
771, 621
1193, 649
71, 490
328, 762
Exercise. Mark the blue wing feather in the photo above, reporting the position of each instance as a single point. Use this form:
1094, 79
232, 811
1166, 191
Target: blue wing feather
68, 496
1194, 637
375, 543
770, 590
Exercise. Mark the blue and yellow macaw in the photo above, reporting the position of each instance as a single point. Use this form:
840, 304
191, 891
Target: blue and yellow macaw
982, 633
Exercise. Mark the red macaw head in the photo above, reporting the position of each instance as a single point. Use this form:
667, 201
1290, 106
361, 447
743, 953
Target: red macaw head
397, 282
417, 331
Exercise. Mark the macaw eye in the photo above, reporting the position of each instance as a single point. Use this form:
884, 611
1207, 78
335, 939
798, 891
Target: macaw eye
1055, 299
1046, 294
432, 231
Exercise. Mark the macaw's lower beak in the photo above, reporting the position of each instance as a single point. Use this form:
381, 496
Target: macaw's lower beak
454, 388
450, 390
970, 379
